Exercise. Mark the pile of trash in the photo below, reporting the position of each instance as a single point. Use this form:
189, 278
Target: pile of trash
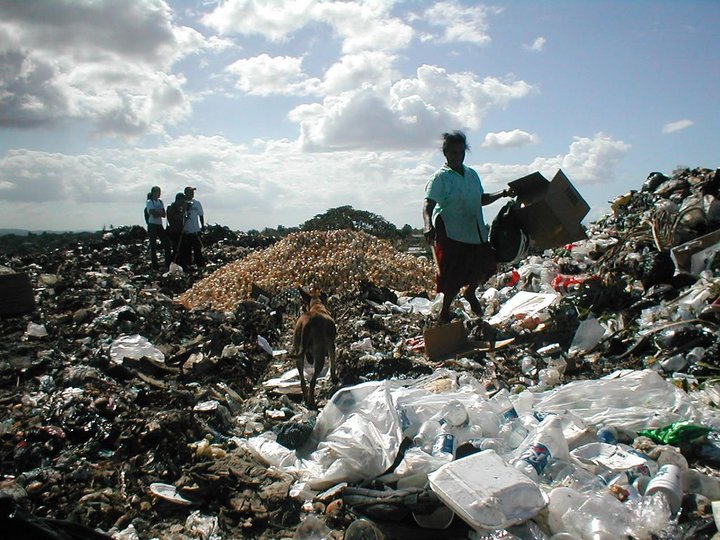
584, 403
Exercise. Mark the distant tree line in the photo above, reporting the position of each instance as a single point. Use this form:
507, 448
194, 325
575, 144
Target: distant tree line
346, 217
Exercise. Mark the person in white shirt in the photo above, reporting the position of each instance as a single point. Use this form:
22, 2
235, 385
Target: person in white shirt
156, 231
194, 225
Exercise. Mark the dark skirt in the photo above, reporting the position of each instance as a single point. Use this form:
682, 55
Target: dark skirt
460, 264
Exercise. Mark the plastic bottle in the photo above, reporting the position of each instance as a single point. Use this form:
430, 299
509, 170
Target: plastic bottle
445, 444
607, 434
490, 443
426, 435
528, 365
487, 419
676, 362
511, 428
696, 482
547, 443
695, 355
455, 414
504, 407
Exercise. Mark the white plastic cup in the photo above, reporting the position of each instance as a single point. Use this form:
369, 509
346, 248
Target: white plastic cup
668, 481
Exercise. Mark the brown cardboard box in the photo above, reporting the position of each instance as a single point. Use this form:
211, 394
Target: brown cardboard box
550, 212
450, 340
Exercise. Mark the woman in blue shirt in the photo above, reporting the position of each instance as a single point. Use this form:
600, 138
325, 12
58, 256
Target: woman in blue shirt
455, 228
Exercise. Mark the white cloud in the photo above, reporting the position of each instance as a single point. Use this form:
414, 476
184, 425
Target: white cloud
410, 113
679, 125
264, 75
462, 23
272, 183
590, 160
537, 45
365, 25
367, 68
503, 139
273, 20
107, 62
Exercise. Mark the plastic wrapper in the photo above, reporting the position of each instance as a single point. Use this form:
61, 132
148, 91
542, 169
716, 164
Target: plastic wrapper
676, 433
633, 400
134, 347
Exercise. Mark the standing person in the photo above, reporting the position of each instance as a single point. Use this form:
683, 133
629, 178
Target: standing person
194, 225
156, 212
455, 228
176, 221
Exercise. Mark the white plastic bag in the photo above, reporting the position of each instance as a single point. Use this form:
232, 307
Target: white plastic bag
135, 347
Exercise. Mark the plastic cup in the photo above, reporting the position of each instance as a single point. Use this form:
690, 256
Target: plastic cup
668, 481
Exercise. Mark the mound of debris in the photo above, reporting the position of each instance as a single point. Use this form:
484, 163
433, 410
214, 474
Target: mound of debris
127, 414
336, 261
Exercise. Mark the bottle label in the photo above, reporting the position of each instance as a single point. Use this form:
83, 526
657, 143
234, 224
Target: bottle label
444, 444
510, 414
636, 472
538, 456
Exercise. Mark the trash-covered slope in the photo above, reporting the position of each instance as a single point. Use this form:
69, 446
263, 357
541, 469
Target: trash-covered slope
158, 445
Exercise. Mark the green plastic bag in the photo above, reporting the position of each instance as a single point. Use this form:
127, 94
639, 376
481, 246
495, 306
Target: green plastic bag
676, 433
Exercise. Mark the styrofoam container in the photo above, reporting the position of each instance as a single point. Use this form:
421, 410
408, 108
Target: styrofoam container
486, 492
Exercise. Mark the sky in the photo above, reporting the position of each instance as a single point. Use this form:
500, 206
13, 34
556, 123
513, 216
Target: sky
279, 110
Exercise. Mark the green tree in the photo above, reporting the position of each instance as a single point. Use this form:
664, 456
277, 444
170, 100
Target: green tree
346, 217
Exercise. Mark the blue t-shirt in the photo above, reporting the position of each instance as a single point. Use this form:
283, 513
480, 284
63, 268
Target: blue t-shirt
459, 201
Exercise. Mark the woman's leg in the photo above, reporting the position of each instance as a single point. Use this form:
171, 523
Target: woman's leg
472, 299
448, 299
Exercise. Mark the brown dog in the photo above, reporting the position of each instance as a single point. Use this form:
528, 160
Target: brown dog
313, 340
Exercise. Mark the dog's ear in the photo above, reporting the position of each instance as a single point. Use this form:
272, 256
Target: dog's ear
305, 295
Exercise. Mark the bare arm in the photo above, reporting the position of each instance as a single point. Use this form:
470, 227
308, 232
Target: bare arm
428, 229
489, 198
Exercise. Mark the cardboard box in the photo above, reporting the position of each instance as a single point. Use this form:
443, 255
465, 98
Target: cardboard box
693, 256
550, 212
450, 340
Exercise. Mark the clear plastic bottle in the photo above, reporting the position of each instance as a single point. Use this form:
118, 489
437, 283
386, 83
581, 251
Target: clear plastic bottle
504, 407
455, 414
426, 435
490, 443
547, 443
511, 428
528, 366
445, 444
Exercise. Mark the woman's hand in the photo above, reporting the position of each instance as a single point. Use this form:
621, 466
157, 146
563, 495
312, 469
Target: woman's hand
429, 235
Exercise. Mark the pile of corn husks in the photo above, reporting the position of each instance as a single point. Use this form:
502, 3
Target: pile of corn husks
336, 261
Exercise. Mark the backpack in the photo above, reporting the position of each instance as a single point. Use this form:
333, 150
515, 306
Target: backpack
175, 218
147, 216
507, 236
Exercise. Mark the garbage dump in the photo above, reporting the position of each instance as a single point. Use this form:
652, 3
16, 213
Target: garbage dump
584, 405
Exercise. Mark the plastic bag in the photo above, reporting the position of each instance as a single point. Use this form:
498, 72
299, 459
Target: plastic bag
507, 237
676, 433
135, 347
